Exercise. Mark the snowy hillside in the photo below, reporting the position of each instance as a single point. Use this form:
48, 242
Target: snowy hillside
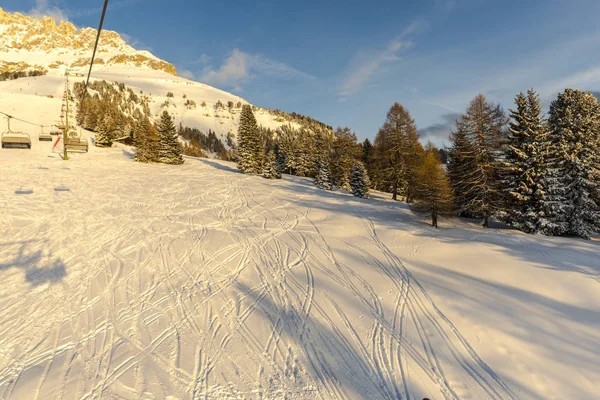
125, 280
28, 44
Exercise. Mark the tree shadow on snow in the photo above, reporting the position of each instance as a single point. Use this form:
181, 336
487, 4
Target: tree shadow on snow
333, 359
39, 269
556, 330
218, 165
129, 153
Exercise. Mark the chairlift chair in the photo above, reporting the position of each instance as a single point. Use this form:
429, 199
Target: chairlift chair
77, 144
15, 140
44, 136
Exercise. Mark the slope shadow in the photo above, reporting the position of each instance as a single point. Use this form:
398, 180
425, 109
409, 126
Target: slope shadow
38, 269
555, 329
217, 165
338, 367
128, 153
22, 191
550, 253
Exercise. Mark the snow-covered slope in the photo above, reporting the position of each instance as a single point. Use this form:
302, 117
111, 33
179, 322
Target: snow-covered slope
32, 44
124, 280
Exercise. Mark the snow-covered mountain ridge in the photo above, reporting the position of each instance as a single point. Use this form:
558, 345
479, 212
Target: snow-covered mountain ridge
28, 44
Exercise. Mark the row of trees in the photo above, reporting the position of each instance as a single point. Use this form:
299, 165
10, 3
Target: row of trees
110, 110
540, 175
333, 159
535, 173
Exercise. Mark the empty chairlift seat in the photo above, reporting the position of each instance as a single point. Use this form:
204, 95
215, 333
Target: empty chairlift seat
77, 144
44, 136
16, 140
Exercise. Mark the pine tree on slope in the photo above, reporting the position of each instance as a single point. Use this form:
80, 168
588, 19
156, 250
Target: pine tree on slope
103, 137
169, 150
288, 148
461, 164
572, 204
250, 152
359, 181
146, 141
323, 177
524, 171
398, 153
305, 162
482, 126
345, 153
433, 195
271, 167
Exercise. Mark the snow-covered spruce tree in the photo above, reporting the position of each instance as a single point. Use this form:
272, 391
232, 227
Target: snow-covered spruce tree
288, 148
433, 195
146, 142
169, 150
524, 171
250, 152
271, 167
305, 155
103, 137
323, 177
482, 126
359, 181
572, 201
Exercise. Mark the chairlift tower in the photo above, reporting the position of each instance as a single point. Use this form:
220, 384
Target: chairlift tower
66, 130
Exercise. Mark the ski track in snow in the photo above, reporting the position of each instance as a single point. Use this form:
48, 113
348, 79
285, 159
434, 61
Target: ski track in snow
142, 281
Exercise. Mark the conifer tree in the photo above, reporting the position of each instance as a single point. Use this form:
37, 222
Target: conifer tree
345, 153
271, 167
103, 137
250, 151
359, 181
305, 155
482, 130
169, 150
368, 156
323, 178
288, 148
146, 141
433, 195
572, 203
398, 153
524, 171
461, 165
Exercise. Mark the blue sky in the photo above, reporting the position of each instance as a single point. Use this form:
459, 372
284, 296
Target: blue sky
346, 62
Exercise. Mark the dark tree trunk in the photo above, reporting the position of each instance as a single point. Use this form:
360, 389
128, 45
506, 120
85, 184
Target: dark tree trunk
434, 221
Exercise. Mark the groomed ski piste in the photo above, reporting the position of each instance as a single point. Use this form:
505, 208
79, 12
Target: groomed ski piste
122, 280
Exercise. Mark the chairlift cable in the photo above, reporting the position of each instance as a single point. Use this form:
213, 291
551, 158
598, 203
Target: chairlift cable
24, 121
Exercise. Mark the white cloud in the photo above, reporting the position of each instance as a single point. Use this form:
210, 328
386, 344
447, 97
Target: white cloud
134, 42
365, 64
184, 73
45, 8
240, 68
202, 59
585, 80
